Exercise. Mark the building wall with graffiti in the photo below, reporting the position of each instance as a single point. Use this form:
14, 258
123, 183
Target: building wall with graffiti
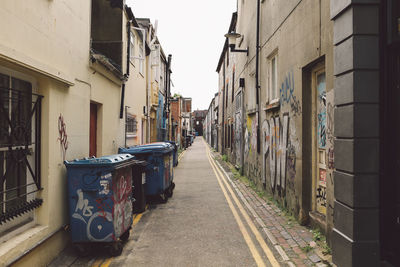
294, 120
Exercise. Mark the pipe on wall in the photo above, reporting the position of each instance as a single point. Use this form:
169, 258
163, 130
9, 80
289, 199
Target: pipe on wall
126, 75
257, 73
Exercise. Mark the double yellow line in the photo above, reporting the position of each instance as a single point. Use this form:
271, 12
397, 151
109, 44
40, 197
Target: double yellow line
221, 181
181, 155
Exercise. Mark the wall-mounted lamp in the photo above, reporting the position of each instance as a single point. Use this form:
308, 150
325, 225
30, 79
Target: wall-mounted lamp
232, 36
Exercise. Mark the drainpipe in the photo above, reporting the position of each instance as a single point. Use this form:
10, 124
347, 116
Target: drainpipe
257, 79
126, 75
148, 94
168, 93
223, 112
129, 49
149, 72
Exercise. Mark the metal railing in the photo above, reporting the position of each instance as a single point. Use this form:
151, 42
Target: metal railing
20, 152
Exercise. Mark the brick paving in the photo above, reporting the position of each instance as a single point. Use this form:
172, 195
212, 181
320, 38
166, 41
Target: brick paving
292, 237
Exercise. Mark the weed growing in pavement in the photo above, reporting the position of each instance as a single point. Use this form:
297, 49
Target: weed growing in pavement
225, 158
317, 235
321, 240
307, 249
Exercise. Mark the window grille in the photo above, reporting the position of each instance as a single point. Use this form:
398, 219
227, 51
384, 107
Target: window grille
20, 133
131, 124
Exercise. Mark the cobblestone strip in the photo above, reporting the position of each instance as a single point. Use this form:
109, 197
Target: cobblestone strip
290, 239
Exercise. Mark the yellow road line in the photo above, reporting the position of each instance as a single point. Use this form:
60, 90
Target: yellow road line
253, 228
97, 262
107, 262
137, 219
259, 261
181, 155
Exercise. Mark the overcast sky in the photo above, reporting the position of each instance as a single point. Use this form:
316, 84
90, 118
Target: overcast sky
193, 32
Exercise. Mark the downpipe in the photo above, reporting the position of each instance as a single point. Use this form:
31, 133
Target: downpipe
257, 78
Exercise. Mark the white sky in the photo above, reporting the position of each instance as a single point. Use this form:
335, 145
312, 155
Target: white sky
193, 32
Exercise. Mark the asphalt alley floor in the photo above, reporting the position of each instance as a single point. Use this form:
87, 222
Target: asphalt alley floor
211, 220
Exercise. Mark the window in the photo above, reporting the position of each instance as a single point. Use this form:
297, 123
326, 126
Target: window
232, 135
141, 62
20, 111
227, 58
156, 61
273, 78
233, 85
226, 95
131, 124
132, 48
105, 40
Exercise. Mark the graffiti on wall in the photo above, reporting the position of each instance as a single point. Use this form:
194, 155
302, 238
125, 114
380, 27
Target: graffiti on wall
291, 165
253, 170
251, 135
322, 143
286, 92
246, 142
321, 111
63, 137
252, 126
321, 199
329, 122
238, 135
275, 138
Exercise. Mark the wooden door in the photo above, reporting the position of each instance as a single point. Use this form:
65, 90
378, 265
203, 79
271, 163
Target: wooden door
93, 131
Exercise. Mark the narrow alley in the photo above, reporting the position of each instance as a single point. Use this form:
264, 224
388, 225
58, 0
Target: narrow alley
210, 221
200, 133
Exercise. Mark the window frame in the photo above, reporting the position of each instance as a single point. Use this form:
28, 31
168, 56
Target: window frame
33, 158
131, 121
273, 93
132, 50
141, 62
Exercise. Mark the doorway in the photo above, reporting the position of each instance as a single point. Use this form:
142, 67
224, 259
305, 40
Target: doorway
93, 130
315, 141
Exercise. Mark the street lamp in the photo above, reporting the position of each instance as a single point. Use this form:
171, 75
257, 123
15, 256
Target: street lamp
232, 36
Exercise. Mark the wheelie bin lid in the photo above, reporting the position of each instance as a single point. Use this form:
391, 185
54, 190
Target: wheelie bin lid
110, 160
173, 143
159, 147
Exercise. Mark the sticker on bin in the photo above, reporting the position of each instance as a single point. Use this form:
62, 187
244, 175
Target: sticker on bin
143, 178
105, 184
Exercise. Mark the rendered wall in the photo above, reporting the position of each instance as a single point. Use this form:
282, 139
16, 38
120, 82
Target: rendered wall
58, 34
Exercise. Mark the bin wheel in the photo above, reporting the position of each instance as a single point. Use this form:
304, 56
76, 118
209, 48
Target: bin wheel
115, 249
170, 190
125, 236
82, 250
163, 197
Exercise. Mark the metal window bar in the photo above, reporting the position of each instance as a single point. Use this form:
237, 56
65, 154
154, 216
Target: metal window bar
20, 152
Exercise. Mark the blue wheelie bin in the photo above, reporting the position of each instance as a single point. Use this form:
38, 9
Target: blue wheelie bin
175, 154
100, 201
159, 171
